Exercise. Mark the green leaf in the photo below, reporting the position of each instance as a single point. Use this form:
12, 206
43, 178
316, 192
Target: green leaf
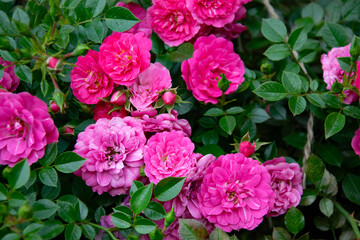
270, 151
66, 211
351, 10
19, 174
352, 111
345, 63
32, 228
144, 226
297, 140
120, 19
314, 168
213, 149
11, 236
44, 87
308, 197
48, 176
314, 85
44, 208
51, 229
88, 231
68, 162
81, 210
314, 11
334, 122
297, 104
135, 186
271, 91
258, 115
316, 100
72, 232
218, 234
95, 31
291, 82
120, 220
334, 35
82, 126
330, 154
168, 188
278, 112
141, 198
124, 210
182, 53
331, 100
294, 220
24, 73
94, 7
280, 234
234, 110
50, 154
326, 206
21, 20
277, 52
154, 211
192, 229
3, 192
273, 29
228, 124
5, 26
99, 212
351, 188
214, 112
297, 39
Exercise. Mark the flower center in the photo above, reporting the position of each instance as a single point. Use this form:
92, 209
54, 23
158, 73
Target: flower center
237, 193
114, 154
16, 127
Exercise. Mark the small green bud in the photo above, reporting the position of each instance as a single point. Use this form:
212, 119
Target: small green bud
355, 48
81, 49
266, 68
6, 171
141, 171
223, 83
336, 87
5, 44
25, 53
133, 237
169, 217
3, 209
25, 211
156, 234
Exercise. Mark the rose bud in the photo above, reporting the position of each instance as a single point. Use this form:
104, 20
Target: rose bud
247, 148
118, 98
68, 130
54, 107
169, 98
53, 63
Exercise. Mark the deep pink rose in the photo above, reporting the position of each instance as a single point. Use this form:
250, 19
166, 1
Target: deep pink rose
168, 154
332, 71
235, 193
118, 98
146, 88
88, 81
355, 143
172, 21
212, 57
286, 179
25, 128
105, 110
123, 56
114, 153
9, 81
247, 148
140, 13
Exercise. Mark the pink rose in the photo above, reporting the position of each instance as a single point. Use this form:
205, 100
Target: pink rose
9, 81
212, 57
146, 88
114, 153
123, 56
286, 182
172, 21
25, 128
140, 13
88, 81
168, 154
169, 98
150, 111
247, 148
105, 110
332, 71
235, 193
355, 142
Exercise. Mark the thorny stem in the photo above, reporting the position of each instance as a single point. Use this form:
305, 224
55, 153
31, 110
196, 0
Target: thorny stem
105, 229
349, 218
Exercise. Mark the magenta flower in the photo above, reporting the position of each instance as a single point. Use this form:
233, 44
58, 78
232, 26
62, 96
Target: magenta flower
247, 148
88, 81
9, 81
168, 154
212, 57
25, 128
172, 21
123, 56
146, 88
286, 182
235, 193
105, 110
355, 142
114, 153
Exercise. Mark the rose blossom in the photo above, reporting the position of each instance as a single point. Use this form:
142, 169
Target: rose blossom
104, 110
88, 81
286, 182
172, 21
114, 151
25, 128
148, 84
168, 154
355, 142
140, 13
332, 71
9, 81
247, 148
235, 193
212, 57
124, 56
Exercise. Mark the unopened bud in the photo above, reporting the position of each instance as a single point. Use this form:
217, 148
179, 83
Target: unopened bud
54, 107
247, 148
169, 98
25, 211
265, 68
5, 44
53, 63
6, 171
118, 98
169, 217
68, 130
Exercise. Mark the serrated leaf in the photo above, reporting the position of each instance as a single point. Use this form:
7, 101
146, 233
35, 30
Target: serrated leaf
141, 198
352, 111
218, 234
184, 52
135, 186
48, 176
351, 188
120, 220
68, 162
273, 29
314, 168
297, 39
291, 82
44, 208
154, 211
72, 232
192, 229
24, 73
334, 122
144, 226
214, 112
19, 174
271, 91
294, 220
314, 11
334, 35
228, 124
277, 52
280, 234
120, 19
234, 110
297, 104
316, 100
168, 188
326, 207
51, 229
95, 31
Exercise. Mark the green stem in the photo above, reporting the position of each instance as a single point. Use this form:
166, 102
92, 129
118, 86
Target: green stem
349, 218
105, 229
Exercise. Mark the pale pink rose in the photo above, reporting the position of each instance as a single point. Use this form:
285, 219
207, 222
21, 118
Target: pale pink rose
105, 110
140, 13
235, 193
332, 71
355, 143
212, 57
247, 148
9, 81
168, 154
165, 122
88, 81
172, 21
123, 56
114, 153
146, 88
286, 179
26, 128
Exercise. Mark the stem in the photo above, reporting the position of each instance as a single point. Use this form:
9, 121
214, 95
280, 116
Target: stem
56, 86
105, 229
349, 218
53, 29
333, 233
